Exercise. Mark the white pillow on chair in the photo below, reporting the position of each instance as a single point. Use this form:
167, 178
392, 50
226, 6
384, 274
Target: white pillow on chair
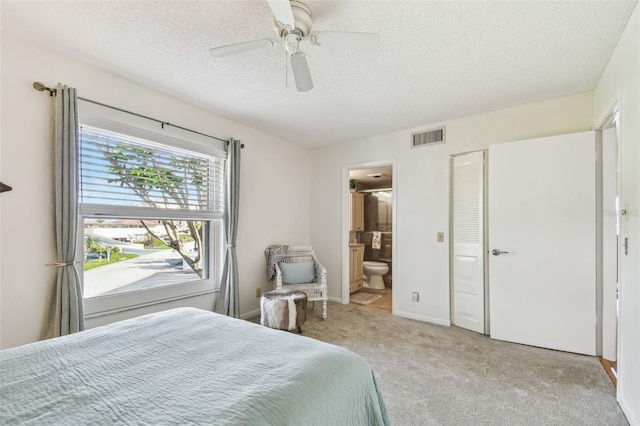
297, 273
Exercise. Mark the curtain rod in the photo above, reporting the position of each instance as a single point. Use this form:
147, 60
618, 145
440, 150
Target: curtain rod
40, 87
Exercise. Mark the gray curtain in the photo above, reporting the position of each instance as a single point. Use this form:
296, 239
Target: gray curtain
66, 313
228, 302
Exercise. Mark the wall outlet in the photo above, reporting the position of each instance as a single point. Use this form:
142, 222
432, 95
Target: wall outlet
440, 237
258, 292
415, 296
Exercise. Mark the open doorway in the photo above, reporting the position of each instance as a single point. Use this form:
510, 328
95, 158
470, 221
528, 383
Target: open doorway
370, 235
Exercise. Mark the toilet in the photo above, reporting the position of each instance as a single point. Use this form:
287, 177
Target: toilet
373, 272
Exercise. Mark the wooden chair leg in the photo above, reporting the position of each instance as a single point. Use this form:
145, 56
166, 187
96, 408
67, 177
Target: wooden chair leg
324, 310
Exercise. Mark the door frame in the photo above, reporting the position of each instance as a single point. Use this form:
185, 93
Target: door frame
344, 238
611, 119
485, 234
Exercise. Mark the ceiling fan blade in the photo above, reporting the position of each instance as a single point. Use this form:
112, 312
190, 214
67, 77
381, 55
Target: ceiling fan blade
301, 72
282, 12
246, 46
345, 40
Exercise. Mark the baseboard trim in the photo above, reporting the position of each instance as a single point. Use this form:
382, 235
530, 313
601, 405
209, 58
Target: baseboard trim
631, 416
337, 300
250, 314
422, 318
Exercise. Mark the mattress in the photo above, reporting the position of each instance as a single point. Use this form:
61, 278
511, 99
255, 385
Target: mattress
187, 366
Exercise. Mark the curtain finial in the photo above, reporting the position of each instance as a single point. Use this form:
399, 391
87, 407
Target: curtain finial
40, 87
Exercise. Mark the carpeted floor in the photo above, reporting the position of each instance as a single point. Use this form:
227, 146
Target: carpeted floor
435, 375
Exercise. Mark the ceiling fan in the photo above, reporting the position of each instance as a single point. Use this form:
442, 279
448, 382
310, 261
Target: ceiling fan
292, 20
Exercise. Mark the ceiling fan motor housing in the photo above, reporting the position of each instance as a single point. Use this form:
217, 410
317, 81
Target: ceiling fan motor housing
303, 21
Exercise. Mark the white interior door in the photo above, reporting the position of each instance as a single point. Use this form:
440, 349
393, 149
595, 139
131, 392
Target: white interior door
542, 212
468, 298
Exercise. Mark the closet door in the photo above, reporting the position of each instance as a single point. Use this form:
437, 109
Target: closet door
467, 239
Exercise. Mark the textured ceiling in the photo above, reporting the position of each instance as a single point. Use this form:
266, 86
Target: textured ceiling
437, 61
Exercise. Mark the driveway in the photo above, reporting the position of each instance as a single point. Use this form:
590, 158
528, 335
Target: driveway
154, 268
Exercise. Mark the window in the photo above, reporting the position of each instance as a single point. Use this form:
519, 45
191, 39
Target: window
152, 216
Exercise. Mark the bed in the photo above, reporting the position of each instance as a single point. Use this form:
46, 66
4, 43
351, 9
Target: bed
187, 366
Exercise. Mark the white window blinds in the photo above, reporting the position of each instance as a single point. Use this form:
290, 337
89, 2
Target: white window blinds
123, 171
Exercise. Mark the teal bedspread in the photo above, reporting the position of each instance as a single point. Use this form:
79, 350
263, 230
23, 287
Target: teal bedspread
187, 366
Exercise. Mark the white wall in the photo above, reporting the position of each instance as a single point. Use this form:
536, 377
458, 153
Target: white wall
274, 183
621, 82
422, 194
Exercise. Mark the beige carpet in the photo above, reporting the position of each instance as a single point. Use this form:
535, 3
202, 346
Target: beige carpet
364, 298
435, 375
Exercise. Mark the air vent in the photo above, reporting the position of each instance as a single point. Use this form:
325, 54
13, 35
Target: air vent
428, 137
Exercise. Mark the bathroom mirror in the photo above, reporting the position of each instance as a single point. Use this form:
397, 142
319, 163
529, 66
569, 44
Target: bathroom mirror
384, 213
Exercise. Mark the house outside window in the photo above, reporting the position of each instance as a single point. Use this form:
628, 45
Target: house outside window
151, 216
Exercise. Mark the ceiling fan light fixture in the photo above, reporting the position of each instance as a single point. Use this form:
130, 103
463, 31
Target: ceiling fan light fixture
292, 43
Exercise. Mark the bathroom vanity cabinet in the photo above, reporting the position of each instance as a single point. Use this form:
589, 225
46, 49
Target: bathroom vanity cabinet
356, 222
356, 259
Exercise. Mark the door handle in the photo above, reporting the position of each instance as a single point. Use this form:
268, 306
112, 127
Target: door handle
497, 252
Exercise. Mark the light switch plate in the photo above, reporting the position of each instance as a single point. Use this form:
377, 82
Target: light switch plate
440, 237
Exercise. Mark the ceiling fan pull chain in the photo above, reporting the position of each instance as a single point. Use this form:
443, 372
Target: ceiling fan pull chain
286, 70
